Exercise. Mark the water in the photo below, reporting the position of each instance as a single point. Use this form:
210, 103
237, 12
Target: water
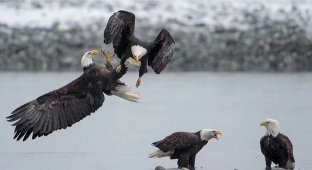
119, 134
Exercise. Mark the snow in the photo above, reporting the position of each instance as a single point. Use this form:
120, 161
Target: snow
218, 35
119, 135
35, 13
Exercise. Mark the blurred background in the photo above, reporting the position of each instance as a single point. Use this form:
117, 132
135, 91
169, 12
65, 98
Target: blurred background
219, 35
236, 63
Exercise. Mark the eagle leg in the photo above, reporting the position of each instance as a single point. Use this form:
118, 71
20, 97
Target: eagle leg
192, 161
122, 63
138, 82
268, 163
119, 71
142, 71
107, 56
183, 161
118, 68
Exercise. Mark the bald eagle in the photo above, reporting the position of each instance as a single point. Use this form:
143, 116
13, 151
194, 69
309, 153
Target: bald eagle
67, 105
184, 146
157, 54
276, 147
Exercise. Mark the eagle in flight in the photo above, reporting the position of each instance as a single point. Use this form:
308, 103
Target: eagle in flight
120, 32
71, 103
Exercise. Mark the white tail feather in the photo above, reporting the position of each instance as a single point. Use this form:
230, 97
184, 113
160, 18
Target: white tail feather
125, 92
159, 154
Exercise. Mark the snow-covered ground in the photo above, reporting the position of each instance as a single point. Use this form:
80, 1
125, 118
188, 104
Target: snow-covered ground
217, 35
119, 135
45, 13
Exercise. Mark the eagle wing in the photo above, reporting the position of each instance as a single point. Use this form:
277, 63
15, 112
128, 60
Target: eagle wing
119, 29
58, 109
263, 143
178, 140
282, 147
161, 52
288, 147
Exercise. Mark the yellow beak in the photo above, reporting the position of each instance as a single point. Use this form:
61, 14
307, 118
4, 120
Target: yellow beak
136, 58
264, 123
94, 52
217, 133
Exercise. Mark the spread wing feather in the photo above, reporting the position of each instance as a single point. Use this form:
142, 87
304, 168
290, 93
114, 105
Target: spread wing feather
162, 51
119, 28
55, 110
178, 140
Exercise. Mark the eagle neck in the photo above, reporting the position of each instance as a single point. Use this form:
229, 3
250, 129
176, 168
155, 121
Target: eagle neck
86, 61
197, 134
201, 142
88, 67
273, 131
204, 142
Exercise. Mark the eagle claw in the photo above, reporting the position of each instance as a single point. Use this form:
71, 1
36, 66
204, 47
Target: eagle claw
107, 56
118, 69
138, 82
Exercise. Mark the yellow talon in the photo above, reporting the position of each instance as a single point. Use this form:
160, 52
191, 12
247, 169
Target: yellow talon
118, 69
107, 57
138, 82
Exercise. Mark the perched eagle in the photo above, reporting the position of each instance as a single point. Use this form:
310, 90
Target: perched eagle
184, 146
276, 147
120, 31
67, 105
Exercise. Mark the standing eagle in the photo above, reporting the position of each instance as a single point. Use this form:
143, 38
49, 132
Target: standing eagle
276, 147
184, 146
120, 32
67, 105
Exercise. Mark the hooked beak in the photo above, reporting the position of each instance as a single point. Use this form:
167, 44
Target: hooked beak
94, 53
265, 123
137, 58
216, 134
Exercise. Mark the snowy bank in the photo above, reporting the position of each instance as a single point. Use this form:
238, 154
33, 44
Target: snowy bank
216, 35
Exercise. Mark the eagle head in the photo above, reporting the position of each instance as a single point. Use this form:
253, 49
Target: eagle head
86, 59
272, 126
207, 134
138, 52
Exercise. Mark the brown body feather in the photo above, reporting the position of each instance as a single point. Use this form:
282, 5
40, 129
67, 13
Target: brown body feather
278, 150
182, 146
67, 105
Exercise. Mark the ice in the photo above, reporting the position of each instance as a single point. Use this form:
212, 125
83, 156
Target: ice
119, 135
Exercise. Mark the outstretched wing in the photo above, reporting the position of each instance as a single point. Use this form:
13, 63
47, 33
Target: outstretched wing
119, 28
58, 109
161, 52
178, 140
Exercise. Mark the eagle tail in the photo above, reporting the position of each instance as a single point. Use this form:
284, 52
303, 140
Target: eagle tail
159, 154
125, 92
